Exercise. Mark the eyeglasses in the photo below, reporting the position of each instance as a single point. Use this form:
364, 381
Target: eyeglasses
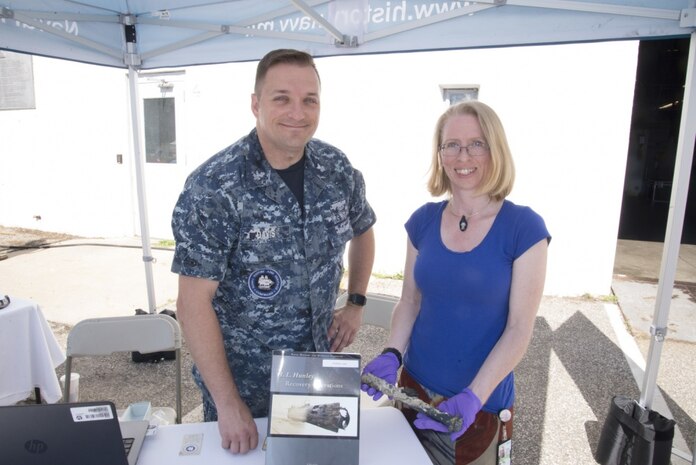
453, 149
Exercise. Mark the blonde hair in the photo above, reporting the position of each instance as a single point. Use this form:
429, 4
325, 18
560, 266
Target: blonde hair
501, 176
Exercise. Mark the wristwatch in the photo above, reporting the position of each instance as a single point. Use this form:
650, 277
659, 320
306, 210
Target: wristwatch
357, 299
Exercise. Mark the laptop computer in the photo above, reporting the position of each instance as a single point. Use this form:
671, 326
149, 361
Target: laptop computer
133, 433
81, 433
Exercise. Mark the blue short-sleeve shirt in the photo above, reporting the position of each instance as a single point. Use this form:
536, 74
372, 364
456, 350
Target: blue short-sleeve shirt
465, 298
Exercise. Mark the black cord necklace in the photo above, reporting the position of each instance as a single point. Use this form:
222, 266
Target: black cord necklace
464, 221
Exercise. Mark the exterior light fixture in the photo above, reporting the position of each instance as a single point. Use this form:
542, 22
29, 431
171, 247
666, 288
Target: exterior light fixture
455, 93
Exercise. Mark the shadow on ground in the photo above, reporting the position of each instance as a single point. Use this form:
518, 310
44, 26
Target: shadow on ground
569, 374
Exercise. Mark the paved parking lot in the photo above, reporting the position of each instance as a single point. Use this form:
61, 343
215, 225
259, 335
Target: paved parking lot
584, 350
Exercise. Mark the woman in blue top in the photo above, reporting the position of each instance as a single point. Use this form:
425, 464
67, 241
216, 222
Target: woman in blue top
473, 281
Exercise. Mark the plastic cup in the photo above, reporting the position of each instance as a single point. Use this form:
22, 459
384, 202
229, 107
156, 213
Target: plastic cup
74, 386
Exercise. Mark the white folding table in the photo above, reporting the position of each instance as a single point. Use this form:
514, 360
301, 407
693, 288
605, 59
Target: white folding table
385, 438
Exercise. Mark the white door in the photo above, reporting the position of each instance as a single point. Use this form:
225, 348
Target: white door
163, 146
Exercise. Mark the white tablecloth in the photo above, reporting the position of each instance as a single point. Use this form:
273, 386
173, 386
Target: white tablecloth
385, 439
29, 354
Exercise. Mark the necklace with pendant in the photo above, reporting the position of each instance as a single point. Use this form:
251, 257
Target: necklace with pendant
464, 220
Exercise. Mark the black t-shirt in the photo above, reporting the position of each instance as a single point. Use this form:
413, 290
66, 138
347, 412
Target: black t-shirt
293, 176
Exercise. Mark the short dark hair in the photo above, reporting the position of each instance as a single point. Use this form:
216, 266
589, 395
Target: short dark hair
279, 57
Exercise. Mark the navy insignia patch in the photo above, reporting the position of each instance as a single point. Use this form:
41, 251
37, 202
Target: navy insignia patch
265, 283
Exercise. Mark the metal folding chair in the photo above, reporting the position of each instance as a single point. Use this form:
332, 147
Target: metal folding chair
141, 333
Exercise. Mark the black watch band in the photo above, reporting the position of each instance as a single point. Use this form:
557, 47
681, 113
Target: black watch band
391, 350
357, 299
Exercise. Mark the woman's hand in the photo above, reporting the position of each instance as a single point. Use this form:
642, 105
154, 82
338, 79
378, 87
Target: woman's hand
464, 405
383, 366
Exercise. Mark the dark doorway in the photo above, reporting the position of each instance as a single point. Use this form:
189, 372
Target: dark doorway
657, 105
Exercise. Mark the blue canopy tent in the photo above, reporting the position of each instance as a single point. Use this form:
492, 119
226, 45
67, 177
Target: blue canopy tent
147, 34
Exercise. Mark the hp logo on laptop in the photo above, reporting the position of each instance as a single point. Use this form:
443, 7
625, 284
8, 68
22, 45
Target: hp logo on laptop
35, 446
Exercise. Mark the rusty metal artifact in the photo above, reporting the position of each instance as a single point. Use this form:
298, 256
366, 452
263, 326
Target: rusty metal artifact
452, 423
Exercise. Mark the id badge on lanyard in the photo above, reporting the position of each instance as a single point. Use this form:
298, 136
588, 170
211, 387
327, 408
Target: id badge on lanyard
505, 444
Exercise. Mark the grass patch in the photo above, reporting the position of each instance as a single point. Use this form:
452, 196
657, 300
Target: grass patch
398, 276
610, 299
166, 243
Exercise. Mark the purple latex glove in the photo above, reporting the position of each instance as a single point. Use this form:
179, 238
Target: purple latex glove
465, 405
383, 366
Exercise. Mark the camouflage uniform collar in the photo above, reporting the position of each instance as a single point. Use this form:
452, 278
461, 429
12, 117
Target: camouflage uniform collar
259, 171
316, 170
257, 168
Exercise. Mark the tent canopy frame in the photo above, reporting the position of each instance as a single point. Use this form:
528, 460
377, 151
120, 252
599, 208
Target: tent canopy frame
206, 31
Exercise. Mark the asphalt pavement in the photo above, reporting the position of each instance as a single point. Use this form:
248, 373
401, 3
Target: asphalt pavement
584, 351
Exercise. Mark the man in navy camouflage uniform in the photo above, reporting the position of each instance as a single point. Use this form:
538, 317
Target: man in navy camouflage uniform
260, 230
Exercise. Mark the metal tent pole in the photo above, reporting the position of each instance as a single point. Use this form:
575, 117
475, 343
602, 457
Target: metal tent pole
675, 224
132, 59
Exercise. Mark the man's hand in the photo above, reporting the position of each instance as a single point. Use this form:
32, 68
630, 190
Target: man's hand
344, 328
465, 405
383, 366
237, 429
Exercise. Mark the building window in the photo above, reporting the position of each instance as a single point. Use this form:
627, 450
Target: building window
160, 130
455, 93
